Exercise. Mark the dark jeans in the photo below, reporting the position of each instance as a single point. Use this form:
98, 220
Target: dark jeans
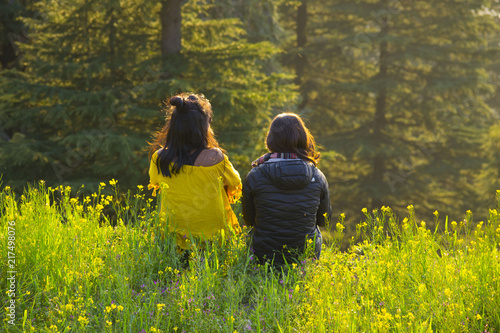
281, 257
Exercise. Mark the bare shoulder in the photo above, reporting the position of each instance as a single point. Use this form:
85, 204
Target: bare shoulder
209, 157
215, 155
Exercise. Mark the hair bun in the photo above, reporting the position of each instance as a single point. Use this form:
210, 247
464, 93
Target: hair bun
177, 101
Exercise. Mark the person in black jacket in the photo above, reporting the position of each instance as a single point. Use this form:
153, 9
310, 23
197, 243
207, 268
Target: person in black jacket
285, 196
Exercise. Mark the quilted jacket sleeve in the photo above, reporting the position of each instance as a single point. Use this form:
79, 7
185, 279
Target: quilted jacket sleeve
247, 203
324, 203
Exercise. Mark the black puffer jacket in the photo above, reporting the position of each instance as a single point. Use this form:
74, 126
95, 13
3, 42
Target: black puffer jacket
285, 201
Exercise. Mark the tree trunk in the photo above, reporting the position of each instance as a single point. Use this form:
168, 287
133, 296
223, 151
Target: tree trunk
379, 123
7, 55
301, 42
111, 42
171, 19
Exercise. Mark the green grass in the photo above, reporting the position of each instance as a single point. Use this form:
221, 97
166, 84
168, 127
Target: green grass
78, 271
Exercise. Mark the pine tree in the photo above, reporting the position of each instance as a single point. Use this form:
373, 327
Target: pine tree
96, 73
10, 29
247, 93
245, 82
488, 180
398, 88
67, 107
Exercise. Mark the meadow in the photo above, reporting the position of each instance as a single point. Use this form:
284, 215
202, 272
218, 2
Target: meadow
99, 263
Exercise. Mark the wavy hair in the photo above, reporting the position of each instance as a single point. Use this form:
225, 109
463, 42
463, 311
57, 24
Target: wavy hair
187, 128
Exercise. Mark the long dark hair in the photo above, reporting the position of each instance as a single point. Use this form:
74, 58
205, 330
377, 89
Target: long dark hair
289, 134
187, 128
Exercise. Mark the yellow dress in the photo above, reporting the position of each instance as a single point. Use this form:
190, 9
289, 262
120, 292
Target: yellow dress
194, 201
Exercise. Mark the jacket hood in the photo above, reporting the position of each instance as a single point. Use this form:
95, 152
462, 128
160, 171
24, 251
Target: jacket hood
288, 174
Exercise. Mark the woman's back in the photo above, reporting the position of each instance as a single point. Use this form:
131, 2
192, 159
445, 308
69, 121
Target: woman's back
285, 197
194, 202
199, 179
289, 198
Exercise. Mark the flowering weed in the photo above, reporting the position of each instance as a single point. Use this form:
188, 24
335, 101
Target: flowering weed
80, 270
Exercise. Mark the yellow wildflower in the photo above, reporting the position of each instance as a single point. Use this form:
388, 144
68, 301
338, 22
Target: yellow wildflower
153, 187
83, 320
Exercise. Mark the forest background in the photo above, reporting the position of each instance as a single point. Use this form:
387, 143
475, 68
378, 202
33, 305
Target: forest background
401, 95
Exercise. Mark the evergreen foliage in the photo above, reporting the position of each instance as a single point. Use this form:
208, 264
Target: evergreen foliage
399, 89
11, 31
88, 101
67, 111
402, 95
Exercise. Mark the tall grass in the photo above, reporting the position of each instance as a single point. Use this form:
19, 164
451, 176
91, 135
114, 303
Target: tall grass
79, 271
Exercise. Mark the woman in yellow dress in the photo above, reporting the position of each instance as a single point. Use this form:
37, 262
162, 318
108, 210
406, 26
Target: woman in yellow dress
200, 181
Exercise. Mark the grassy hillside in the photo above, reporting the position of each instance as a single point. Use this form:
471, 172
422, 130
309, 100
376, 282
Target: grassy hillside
66, 267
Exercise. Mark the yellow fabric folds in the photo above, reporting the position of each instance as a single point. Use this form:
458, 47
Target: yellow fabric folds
195, 202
